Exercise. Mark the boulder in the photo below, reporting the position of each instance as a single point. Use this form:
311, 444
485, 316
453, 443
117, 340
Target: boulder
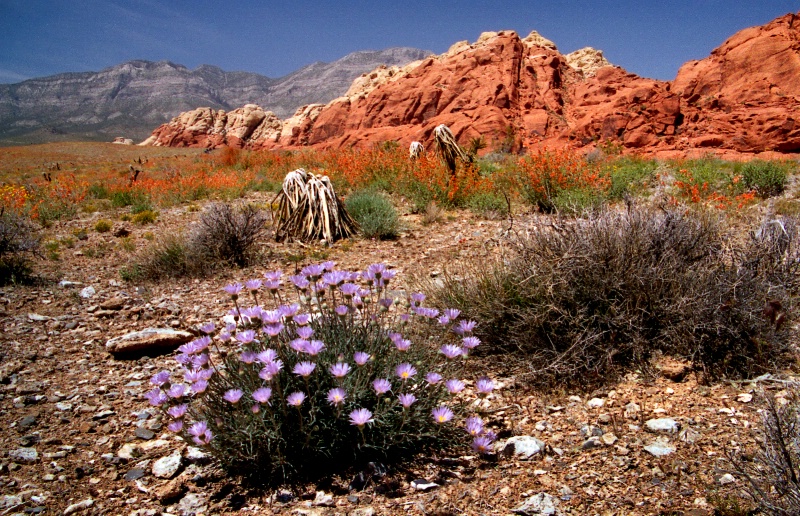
149, 339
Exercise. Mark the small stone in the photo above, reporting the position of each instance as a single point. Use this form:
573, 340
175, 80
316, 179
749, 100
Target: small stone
744, 397
659, 449
27, 421
166, 467
725, 479
591, 443
134, 474
595, 403
323, 499
170, 491
541, 503
689, 435
24, 455
632, 411
195, 455
193, 503
68, 284
88, 292
522, 446
103, 414
157, 339
8, 501
38, 318
64, 406
604, 419
115, 303
362, 511
144, 433
608, 439
423, 485
662, 425
129, 451
80, 506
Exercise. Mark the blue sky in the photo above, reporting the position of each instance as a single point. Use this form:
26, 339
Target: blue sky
273, 38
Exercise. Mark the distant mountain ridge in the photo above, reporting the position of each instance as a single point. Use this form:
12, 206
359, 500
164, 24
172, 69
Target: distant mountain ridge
131, 98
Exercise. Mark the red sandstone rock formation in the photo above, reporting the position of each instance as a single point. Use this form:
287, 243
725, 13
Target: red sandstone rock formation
744, 97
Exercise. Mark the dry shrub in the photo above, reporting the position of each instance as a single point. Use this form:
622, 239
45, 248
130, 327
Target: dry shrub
772, 473
19, 243
587, 300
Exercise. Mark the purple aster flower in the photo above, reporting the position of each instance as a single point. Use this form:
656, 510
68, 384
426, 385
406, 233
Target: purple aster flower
272, 285
202, 343
336, 396
267, 356
313, 270
452, 313
289, 310
273, 329
340, 369
386, 302
430, 313
482, 444
395, 337
199, 386
442, 414
248, 357
224, 336
484, 385
298, 345
233, 395
245, 337
271, 316
175, 426
208, 328
300, 282
381, 386
433, 378
375, 270
270, 370
177, 411
388, 275
160, 378
405, 371
454, 386
403, 344
253, 284
361, 358
407, 399
233, 289
464, 327
451, 350
295, 399
273, 275
474, 426
443, 320
357, 301
349, 289
302, 319
198, 429
417, 298
470, 342
404, 318
328, 265
176, 390
156, 397
206, 374
341, 310
335, 278
304, 368
191, 375
199, 361
187, 349
314, 347
256, 408
262, 394
305, 332
360, 417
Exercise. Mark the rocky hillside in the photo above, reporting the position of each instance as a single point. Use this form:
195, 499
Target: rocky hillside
131, 98
745, 97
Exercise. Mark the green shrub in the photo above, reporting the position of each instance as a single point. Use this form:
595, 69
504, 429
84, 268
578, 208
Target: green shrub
19, 243
488, 204
295, 397
590, 299
374, 213
103, 226
169, 257
145, 217
629, 175
578, 200
136, 198
97, 191
767, 178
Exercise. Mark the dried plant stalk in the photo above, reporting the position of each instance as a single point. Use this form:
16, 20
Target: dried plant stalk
447, 149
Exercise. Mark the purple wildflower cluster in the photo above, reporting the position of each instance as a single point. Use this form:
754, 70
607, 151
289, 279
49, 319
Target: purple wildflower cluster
299, 368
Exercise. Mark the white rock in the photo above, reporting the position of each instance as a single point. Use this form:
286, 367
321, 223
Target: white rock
663, 425
88, 292
659, 449
523, 446
24, 454
744, 397
727, 478
595, 403
166, 467
541, 503
129, 451
75, 507
323, 499
423, 485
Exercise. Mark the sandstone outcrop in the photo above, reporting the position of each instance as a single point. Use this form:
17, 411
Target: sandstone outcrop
744, 97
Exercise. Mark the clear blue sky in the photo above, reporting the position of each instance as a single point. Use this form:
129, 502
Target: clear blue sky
651, 38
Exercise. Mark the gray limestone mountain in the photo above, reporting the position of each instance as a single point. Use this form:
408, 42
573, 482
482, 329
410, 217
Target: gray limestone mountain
131, 98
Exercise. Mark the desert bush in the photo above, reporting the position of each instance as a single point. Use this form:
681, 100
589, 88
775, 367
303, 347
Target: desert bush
772, 474
145, 217
172, 256
103, 226
629, 175
228, 233
767, 178
19, 243
337, 374
374, 213
488, 204
589, 299
137, 199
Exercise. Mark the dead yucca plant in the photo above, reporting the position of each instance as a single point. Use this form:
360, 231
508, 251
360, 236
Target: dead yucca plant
308, 209
448, 149
415, 150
